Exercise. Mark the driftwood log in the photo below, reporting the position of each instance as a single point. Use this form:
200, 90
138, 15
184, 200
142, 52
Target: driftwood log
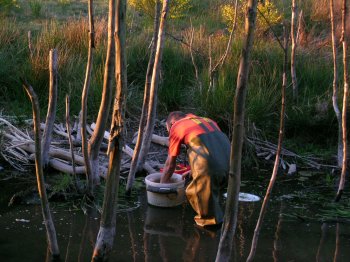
18, 149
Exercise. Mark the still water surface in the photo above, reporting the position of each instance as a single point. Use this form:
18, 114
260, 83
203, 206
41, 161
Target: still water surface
291, 230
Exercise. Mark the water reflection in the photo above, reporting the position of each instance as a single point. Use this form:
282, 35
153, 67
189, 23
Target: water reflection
164, 221
148, 233
168, 236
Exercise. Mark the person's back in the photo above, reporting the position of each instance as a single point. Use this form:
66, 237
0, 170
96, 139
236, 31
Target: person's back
209, 153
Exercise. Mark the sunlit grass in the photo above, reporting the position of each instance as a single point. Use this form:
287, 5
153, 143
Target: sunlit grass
63, 25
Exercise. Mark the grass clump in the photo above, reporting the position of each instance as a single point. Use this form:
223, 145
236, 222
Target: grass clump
35, 7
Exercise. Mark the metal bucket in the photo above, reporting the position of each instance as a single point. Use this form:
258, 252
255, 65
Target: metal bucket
165, 195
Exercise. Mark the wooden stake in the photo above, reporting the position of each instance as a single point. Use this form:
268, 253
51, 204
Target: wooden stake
106, 234
278, 153
345, 102
335, 87
154, 86
84, 96
50, 227
135, 165
107, 96
51, 111
231, 209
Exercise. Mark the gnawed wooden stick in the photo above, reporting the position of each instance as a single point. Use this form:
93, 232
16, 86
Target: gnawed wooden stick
51, 111
50, 227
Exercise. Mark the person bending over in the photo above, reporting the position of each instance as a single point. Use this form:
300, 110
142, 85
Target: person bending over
208, 150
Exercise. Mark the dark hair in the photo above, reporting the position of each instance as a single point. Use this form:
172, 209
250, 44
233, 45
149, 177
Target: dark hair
173, 117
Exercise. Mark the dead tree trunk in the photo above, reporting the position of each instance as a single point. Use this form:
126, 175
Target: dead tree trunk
51, 111
107, 93
278, 153
84, 97
345, 101
294, 46
151, 117
50, 227
335, 87
230, 218
106, 233
146, 96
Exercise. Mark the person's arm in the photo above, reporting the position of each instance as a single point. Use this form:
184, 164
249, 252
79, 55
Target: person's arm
169, 168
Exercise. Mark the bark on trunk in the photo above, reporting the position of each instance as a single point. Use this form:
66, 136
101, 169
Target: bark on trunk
345, 101
335, 87
50, 227
134, 167
294, 46
51, 111
154, 86
106, 233
84, 97
230, 218
278, 154
107, 93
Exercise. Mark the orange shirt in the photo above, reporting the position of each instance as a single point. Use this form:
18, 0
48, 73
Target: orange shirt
187, 128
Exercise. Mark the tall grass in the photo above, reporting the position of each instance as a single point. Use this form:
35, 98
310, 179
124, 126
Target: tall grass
70, 39
178, 89
35, 7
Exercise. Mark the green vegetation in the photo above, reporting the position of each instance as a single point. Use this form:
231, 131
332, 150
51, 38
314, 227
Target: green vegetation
63, 25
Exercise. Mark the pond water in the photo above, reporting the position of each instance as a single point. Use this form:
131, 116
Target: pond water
302, 224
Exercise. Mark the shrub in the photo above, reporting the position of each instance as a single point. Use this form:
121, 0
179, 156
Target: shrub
176, 10
267, 10
7, 5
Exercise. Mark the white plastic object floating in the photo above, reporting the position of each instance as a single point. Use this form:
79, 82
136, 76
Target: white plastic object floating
246, 197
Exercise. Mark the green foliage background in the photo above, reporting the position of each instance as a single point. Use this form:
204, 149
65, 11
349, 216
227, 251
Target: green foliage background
63, 25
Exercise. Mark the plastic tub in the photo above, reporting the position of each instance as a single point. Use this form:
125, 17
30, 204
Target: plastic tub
165, 194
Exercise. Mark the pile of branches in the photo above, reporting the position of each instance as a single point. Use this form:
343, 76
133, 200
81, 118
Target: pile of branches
17, 148
290, 161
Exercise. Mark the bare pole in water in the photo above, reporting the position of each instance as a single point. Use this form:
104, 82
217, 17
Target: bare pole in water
106, 234
151, 117
345, 102
50, 227
231, 209
84, 96
51, 110
278, 152
335, 87
134, 166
